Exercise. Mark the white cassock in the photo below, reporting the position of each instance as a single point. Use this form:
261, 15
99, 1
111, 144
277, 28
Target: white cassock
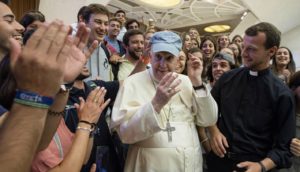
139, 125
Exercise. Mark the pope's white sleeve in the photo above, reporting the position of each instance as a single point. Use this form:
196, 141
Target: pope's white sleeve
205, 107
141, 125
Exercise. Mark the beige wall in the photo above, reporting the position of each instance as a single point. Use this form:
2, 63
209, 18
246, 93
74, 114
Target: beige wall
65, 10
249, 20
291, 39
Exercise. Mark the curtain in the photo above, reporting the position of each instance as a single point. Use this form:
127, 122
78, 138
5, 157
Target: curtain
19, 8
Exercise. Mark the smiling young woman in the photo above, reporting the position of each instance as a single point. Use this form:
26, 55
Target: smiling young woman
283, 64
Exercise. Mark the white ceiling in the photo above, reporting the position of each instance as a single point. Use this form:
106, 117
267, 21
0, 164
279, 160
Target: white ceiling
284, 14
188, 13
197, 13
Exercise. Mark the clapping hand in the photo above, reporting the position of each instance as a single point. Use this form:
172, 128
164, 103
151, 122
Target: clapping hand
78, 55
40, 66
91, 109
50, 58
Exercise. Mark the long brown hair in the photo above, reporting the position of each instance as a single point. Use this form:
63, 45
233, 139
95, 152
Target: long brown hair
8, 84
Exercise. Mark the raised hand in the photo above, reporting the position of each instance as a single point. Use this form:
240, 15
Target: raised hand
165, 90
78, 55
40, 66
194, 69
287, 73
91, 109
145, 58
115, 58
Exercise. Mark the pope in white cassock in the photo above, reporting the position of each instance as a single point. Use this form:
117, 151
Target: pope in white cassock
157, 110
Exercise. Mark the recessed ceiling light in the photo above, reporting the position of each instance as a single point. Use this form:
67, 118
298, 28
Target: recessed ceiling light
162, 3
217, 28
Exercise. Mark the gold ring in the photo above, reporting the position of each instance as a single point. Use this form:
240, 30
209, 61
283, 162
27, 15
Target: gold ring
169, 89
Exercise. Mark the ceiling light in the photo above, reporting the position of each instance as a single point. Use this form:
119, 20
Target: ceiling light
244, 15
162, 3
215, 1
217, 28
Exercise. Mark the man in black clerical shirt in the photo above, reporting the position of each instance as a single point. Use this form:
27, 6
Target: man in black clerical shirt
256, 110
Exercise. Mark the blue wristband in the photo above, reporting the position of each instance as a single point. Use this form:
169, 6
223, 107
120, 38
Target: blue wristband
33, 99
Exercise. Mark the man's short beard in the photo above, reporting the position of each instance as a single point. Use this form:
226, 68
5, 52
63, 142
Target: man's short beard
133, 55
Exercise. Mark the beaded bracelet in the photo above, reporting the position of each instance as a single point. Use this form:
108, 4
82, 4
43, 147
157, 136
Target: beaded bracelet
199, 87
53, 113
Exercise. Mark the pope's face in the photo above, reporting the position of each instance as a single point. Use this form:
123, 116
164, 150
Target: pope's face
163, 63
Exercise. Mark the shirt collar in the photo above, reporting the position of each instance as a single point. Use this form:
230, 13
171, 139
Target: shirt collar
259, 73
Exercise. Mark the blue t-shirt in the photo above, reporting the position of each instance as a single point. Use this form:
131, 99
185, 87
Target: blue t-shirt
2, 110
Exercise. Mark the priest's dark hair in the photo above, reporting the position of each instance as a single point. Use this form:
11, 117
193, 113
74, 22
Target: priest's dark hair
271, 32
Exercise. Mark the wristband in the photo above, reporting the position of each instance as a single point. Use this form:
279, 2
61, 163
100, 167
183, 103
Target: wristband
93, 125
33, 99
263, 168
199, 87
84, 129
93, 131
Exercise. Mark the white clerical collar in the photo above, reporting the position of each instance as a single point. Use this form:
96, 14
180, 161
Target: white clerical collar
253, 73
